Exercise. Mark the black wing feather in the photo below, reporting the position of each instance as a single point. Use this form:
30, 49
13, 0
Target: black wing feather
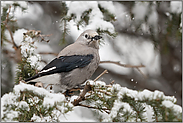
68, 63
65, 64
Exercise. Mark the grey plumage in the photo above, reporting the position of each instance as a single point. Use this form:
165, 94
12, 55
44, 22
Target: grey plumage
74, 64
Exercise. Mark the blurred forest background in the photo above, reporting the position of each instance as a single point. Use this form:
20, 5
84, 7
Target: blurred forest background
148, 33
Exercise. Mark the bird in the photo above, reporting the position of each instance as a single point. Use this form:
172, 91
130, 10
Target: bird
75, 64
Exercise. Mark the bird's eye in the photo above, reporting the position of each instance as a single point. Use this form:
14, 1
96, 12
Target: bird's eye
86, 35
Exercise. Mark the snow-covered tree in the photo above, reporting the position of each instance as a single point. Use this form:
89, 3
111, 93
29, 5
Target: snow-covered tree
138, 34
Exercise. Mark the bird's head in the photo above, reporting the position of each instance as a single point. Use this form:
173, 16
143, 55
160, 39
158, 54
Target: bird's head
90, 38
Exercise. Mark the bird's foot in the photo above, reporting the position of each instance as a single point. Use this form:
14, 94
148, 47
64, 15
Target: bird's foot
71, 92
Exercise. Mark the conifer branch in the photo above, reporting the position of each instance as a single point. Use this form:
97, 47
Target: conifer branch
104, 109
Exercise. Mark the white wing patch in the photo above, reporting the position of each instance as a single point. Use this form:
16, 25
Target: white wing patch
49, 79
47, 70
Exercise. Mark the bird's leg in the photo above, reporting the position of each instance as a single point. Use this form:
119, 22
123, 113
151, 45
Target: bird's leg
66, 93
71, 92
74, 91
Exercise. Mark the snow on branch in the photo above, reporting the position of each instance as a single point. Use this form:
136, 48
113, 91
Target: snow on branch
126, 105
29, 103
91, 15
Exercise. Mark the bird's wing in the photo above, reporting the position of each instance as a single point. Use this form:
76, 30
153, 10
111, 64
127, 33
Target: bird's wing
64, 64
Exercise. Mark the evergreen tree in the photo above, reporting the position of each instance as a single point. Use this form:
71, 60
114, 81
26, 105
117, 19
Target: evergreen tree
110, 103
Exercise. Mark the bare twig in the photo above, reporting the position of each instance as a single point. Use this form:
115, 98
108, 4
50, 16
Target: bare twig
8, 41
41, 115
6, 24
45, 53
23, 97
105, 71
82, 95
44, 61
37, 33
127, 65
123, 65
141, 72
43, 36
15, 46
112, 82
104, 92
134, 34
104, 109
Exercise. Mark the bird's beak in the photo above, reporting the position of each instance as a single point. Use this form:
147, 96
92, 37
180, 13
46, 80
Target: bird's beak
97, 37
